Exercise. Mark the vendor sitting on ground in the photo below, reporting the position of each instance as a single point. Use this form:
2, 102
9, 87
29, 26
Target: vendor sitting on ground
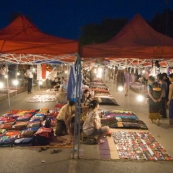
92, 125
57, 86
54, 82
86, 98
65, 113
85, 101
63, 86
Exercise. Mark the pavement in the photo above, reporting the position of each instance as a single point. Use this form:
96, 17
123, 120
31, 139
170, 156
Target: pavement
29, 160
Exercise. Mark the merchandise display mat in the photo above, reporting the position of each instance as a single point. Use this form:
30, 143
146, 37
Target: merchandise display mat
107, 101
43, 98
133, 145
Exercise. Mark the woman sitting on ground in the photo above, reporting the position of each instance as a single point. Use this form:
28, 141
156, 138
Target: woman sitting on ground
57, 86
92, 125
86, 98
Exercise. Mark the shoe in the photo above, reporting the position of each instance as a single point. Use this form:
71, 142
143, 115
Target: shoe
56, 151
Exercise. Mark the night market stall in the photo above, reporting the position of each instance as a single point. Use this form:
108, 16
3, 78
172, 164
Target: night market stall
136, 44
22, 42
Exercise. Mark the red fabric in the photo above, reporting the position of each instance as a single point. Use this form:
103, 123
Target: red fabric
136, 40
22, 37
46, 132
43, 66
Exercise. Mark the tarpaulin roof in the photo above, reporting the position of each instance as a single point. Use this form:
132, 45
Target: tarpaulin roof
136, 40
22, 37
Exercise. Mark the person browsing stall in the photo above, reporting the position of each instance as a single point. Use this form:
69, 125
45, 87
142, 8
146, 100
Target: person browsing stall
29, 74
155, 95
170, 100
92, 124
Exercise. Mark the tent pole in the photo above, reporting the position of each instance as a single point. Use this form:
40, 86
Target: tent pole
16, 78
78, 108
8, 88
79, 103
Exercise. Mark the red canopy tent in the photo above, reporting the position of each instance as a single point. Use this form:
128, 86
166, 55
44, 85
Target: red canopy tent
136, 40
24, 38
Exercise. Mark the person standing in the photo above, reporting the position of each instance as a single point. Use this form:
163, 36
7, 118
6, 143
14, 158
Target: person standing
29, 74
127, 81
164, 89
155, 96
106, 73
115, 74
166, 79
3, 72
170, 100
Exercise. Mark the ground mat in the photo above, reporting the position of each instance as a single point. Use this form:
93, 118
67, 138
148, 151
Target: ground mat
139, 146
121, 119
107, 101
43, 98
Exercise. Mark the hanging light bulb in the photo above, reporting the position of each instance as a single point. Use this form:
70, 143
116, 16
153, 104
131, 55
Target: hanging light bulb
6, 76
18, 73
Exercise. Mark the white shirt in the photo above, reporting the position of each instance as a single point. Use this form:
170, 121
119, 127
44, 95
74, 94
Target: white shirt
29, 73
88, 126
3, 71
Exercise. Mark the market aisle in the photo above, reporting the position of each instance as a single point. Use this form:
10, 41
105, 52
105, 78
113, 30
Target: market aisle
162, 133
30, 160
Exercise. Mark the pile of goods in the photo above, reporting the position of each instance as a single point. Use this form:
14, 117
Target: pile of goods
139, 146
121, 119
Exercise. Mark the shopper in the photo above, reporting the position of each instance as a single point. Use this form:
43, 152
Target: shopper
164, 89
115, 74
29, 74
92, 124
166, 79
3, 72
127, 81
170, 100
155, 96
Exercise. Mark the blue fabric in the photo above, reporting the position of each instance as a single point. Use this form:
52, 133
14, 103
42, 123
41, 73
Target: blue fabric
71, 83
23, 141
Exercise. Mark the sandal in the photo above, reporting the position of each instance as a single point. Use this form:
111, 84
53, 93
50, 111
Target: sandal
56, 151
101, 142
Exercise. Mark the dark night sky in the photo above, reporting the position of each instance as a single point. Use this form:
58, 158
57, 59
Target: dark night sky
64, 18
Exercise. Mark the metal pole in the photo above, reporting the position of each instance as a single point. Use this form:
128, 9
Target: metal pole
16, 78
79, 104
78, 107
8, 89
